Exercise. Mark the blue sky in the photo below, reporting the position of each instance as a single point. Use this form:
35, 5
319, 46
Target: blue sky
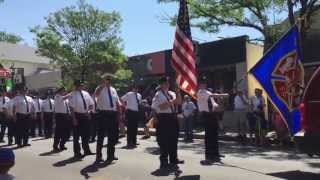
142, 29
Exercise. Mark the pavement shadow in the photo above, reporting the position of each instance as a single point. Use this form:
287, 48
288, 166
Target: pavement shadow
93, 168
166, 172
50, 153
295, 175
152, 150
245, 151
67, 161
191, 177
314, 165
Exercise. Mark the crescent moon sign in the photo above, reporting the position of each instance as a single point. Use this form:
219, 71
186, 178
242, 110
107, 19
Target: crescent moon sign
149, 65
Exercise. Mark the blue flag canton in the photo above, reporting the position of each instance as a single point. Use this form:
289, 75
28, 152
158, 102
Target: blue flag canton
183, 19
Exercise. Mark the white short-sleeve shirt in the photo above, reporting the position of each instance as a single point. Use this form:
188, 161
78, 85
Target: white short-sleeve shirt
37, 105
20, 104
61, 105
256, 102
3, 102
132, 100
103, 99
162, 97
203, 97
46, 106
76, 101
240, 104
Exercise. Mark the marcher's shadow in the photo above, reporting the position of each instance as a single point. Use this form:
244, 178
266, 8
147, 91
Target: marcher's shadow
93, 168
67, 161
49, 153
166, 172
191, 177
152, 150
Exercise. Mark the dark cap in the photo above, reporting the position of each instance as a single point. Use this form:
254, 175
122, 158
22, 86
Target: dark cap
164, 80
60, 89
77, 83
203, 80
107, 76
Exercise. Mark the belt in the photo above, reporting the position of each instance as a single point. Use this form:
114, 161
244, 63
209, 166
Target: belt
109, 111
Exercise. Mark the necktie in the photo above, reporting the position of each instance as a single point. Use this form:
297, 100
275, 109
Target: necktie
83, 100
50, 104
210, 106
39, 105
67, 108
27, 104
168, 99
137, 101
110, 97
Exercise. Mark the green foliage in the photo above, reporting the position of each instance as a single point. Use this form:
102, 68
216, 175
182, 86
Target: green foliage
83, 41
123, 79
212, 15
9, 37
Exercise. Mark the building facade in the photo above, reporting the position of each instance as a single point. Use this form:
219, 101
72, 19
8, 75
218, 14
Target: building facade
28, 67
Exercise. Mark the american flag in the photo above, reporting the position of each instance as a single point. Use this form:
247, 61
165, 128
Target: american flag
183, 57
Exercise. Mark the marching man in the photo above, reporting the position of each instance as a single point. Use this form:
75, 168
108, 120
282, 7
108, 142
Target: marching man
164, 103
23, 110
207, 107
133, 101
108, 104
81, 104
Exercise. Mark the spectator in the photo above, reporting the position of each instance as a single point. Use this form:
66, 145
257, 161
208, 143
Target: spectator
240, 111
146, 117
188, 110
257, 104
7, 161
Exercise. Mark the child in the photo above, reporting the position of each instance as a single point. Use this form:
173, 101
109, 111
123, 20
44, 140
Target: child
7, 160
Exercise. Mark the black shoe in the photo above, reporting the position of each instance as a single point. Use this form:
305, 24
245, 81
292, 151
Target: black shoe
98, 160
19, 145
77, 156
88, 153
206, 162
145, 137
2, 141
27, 144
178, 161
55, 150
164, 166
109, 160
63, 148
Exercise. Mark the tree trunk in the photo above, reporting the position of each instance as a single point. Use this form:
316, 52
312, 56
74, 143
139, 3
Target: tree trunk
290, 12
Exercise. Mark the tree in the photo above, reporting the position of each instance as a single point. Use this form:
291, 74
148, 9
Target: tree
212, 15
9, 37
83, 41
306, 10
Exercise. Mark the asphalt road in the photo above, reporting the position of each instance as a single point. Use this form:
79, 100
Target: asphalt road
241, 163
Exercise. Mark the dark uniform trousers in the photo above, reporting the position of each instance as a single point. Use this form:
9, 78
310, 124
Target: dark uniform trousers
211, 135
108, 124
4, 124
62, 130
93, 126
11, 131
48, 123
132, 126
36, 124
22, 128
81, 130
167, 137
